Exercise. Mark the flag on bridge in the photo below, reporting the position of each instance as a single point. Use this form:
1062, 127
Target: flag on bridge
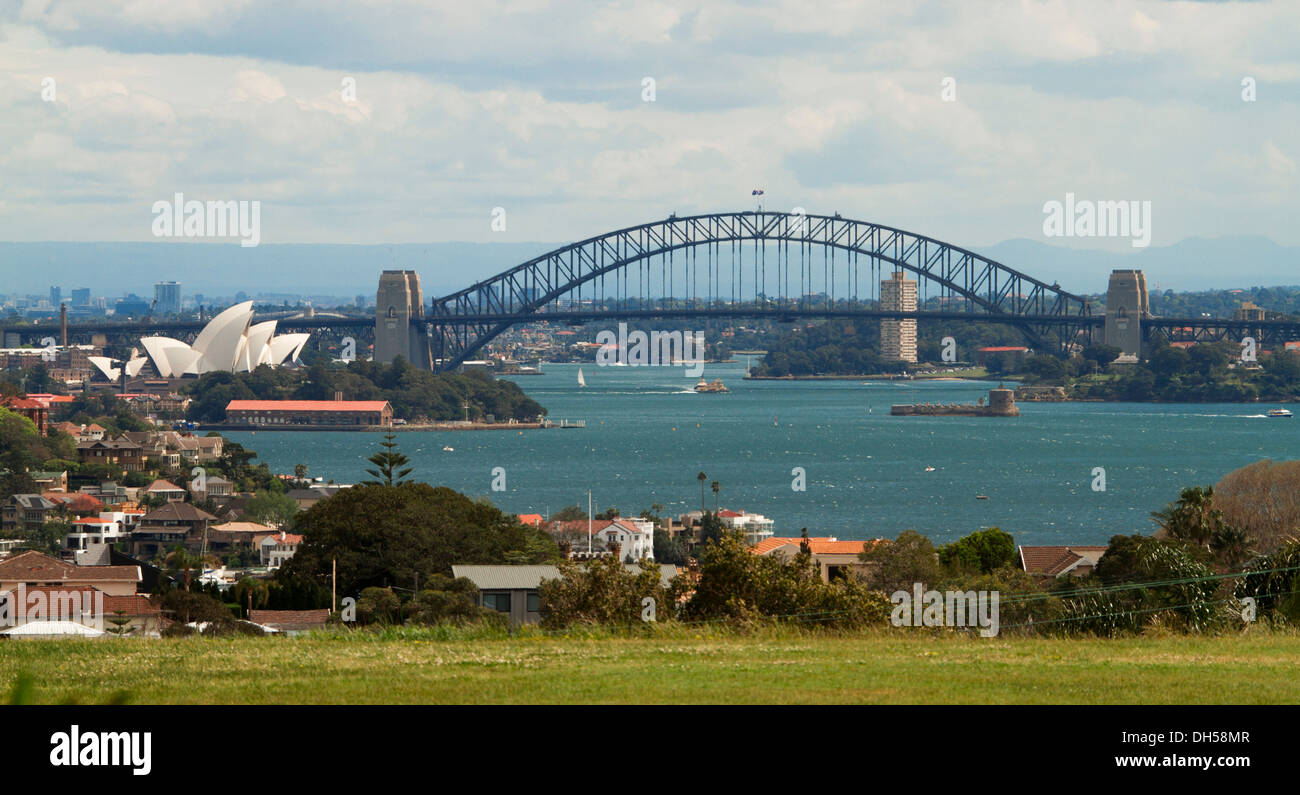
756, 192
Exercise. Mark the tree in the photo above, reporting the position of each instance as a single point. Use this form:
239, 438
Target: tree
668, 549
569, 513
388, 535
602, 591
901, 563
701, 478
983, 551
271, 508
300, 471
121, 624
710, 528
378, 606
388, 464
1263, 500
716, 488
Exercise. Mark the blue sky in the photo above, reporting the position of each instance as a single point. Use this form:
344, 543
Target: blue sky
537, 107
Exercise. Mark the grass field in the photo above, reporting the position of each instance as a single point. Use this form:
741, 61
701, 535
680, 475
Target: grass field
677, 667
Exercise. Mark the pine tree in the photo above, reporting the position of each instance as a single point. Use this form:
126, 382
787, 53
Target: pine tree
388, 464
121, 624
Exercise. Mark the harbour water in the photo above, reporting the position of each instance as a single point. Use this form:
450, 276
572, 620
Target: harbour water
649, 433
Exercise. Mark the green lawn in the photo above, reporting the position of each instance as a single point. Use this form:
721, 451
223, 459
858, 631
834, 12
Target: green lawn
680, 666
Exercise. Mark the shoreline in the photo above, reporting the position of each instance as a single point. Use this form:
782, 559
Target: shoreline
473, 426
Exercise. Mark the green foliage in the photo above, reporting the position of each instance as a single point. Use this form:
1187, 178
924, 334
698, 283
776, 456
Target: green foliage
414, 394
446, 600
603, 592
669, 550
378, 606
387, 535
390, 465
738, 586
980, 552
569, 513
1176, 590
271, 508
898, 564
1274, 582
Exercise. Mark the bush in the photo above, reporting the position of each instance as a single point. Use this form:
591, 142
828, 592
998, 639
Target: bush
602, 591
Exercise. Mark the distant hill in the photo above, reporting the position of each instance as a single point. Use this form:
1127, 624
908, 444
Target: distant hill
1192, 264
221, 269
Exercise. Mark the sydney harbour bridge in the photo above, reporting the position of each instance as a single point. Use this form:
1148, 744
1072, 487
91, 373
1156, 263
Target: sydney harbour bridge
754, 264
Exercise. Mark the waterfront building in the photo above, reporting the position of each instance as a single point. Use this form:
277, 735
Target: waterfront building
898, 337
309, 412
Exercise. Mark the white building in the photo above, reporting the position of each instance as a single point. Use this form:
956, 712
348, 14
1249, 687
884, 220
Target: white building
230, 342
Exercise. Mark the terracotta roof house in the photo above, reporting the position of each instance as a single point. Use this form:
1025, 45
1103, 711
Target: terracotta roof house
530, 519
76, 503
128, 455
34, 568
163, 488
33, 410
276, 548
290, 621
165, 527
90, 606
228, 535
1057, 561
833, 558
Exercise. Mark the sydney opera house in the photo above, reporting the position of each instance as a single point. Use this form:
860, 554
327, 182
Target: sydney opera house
230, 342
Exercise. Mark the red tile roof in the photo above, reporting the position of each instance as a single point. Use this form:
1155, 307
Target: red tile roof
306, 405
33, 566
1055, 560
531, 519
776, 542
136, 604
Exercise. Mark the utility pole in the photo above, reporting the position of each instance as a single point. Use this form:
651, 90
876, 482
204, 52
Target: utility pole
588, 522
334, 585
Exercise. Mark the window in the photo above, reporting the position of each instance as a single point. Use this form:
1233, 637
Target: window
534, 603
499, 602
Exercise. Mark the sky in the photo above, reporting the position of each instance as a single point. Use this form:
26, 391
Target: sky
411, 122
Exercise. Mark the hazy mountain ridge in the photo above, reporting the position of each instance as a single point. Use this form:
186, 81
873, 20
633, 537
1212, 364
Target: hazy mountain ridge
113, 269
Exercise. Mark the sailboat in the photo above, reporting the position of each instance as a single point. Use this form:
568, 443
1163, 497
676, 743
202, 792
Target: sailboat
581, 381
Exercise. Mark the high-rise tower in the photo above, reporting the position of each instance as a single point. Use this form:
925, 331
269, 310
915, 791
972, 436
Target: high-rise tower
398, 302
898, 337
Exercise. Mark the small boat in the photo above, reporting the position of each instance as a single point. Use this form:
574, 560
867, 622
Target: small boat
581, 381
981, 496
1280, 413
446, 449
710, 386
929, 469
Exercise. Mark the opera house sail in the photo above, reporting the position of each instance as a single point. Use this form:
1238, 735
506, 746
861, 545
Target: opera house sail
226, 343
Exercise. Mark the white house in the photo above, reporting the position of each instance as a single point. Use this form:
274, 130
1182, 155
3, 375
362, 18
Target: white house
276, 548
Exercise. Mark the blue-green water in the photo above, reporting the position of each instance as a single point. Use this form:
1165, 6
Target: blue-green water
648, 435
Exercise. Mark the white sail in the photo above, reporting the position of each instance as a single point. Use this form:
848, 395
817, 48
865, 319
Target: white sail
581, 381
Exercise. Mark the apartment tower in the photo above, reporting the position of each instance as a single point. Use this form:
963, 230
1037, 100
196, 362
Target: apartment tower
898, 337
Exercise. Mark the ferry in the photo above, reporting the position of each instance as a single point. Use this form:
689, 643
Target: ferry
710, 386
1280, 413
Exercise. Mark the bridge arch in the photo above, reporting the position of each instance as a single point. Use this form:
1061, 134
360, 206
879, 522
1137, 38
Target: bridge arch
555, 282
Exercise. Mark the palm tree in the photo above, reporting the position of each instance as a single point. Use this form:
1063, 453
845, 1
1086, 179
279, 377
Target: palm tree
716, 488
388, 464
701, 478
1193, 518
180, 560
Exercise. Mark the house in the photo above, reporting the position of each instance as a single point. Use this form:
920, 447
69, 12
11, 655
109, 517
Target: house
634, 538
1058, 561
312, 494
120, 452
229, 535
290, 621
832, 557
172, 524
26, 513
275, 549
213, 486
530, 519
50, 481
754, 526
32, 568
262, 413
165, 489
511, 590
76, 503
32, 607
34, 410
